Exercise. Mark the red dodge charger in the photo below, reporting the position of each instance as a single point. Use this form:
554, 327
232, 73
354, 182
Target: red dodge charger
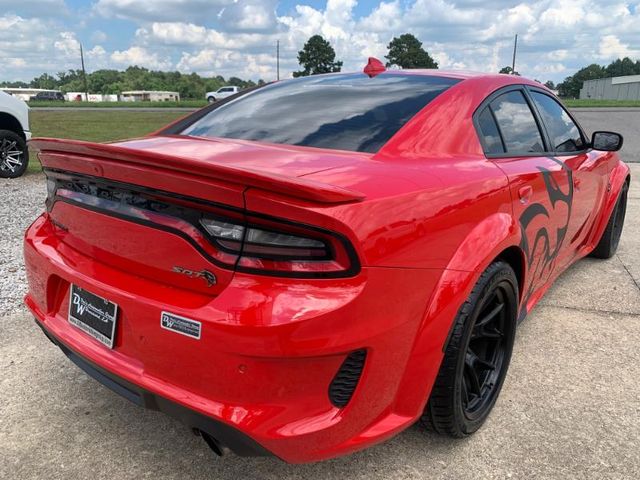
307, 268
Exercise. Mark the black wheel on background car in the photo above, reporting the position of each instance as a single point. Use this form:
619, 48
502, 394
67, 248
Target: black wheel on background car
477, 355
608, 244
211, 99
14, 156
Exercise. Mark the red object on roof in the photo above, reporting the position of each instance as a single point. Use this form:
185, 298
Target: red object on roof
374, 67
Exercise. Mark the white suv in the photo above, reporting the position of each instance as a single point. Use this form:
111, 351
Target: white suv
222, 92
14, 135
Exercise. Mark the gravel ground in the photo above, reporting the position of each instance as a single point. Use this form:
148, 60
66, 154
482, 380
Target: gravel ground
21, 201
569, 408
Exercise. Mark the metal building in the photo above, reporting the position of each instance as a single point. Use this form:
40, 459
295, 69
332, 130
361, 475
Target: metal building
612, 88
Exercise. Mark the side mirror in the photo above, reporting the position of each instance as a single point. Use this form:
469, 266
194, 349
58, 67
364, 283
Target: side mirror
606, 141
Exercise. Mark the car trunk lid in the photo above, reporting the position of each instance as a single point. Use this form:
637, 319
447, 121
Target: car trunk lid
137, 205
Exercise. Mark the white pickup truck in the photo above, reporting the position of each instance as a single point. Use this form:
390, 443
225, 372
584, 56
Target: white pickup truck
222, 92
14, 135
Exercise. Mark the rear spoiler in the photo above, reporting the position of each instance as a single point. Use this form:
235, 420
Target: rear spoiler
290, 186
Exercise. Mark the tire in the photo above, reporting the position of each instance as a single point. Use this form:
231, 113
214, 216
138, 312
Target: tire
483, 335
14, 155
211, 99
608, 244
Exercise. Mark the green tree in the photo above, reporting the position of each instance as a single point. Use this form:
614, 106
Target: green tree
570, 87
406, 51
621, 67
104, 81
69, 76
133, 78
317, 56
550, 85
17, 84
508, 71
45, 81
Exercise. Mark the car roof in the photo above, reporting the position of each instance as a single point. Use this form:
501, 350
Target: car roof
466, 76
501, 78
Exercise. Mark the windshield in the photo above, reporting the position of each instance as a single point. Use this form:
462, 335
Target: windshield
343, 112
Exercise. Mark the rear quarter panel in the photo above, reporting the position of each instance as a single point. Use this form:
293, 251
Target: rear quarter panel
418, 213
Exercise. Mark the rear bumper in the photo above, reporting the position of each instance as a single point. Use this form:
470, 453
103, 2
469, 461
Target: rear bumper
224, 435
268, 352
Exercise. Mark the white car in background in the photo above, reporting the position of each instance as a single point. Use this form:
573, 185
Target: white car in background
14, 135
222, 92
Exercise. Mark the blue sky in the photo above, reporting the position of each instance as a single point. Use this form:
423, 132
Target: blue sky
237, 37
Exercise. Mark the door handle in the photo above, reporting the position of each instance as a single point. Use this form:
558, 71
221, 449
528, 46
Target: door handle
525, 194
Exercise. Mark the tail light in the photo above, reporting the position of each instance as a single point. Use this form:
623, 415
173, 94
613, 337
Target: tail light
230, 239
264, 246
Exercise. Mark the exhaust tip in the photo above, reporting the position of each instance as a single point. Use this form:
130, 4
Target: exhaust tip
217, 447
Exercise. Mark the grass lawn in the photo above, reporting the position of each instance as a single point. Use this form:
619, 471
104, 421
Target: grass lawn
181, 103
577, 103
95, 126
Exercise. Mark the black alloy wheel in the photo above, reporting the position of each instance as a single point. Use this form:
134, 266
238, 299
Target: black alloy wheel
486, 353
477, 356
608, 244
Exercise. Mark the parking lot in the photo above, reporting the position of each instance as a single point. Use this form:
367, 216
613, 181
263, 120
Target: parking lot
623, 120
569, 409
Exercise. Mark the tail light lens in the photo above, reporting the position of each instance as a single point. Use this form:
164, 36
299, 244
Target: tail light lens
282, 248
229, 239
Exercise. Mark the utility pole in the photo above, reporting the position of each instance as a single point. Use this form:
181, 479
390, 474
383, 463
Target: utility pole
278, 59
84, 73
513, 63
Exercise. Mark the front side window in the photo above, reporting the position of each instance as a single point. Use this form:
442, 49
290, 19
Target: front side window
564, 134
344, 112
520, 132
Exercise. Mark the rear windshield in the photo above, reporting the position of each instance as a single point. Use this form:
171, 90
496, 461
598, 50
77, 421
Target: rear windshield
343, 112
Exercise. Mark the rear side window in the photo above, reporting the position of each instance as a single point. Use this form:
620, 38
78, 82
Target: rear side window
344, 112
491, 140
564, 133
519, 129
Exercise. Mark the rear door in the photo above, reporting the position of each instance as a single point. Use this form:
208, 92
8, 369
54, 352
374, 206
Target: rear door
541, 185
589, 167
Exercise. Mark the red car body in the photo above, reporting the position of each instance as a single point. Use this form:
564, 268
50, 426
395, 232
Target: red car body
411, 227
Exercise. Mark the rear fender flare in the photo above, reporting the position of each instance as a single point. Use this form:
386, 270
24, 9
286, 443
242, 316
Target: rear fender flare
618, 176
482, 245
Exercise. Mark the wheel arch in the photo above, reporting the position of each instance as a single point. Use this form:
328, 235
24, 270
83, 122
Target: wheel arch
9, 122
514, 256
619, 175
496, 237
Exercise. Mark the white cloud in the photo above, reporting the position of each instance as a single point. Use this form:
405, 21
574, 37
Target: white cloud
32, 6
169, 10
141, 57
611, 48
32, 46
67, 44
181, 34
249, 16
237, 37
98, 36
